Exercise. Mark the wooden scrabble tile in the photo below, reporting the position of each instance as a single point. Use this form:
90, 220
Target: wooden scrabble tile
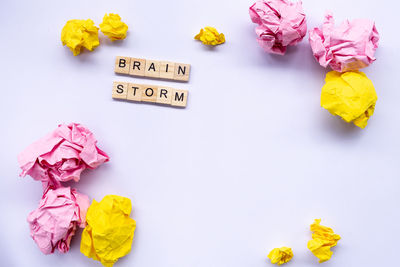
179, 98
167, 70
120, 90
135, 92
164, 95
149, 93
152, 68
181, 72
138, 65
122, 65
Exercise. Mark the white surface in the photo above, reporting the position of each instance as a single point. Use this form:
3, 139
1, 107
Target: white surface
246, 167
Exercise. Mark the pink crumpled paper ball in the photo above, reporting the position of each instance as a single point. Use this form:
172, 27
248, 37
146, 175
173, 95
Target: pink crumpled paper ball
61, 155
349, 46
281, 23
54, 222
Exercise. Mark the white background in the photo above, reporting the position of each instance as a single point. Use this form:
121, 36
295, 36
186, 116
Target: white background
246, 167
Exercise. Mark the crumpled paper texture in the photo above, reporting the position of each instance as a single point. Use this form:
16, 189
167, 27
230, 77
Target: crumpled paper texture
109, 232
210, 36
79, 33
280, 255
350, 95
281, 23
323, 238
61, 155
113, 27
54, 222
349, 46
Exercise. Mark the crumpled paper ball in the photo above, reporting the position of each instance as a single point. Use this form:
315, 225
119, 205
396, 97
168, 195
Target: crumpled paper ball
79, 33
349, 46
210, 36
281, 23
350, 95
109, 232
54, 222
61, 155
113, 27
323, 238
280, 255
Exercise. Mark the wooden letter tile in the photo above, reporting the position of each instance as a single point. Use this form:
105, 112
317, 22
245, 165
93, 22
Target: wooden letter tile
120, 90
164, 95
152, 69
122, 65
149, 93
167, 70
179, 98
182, 72
135, 92
138, 66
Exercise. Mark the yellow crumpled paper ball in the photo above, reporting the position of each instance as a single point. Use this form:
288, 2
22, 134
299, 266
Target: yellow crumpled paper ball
210, 36
323, 238
78, 33
351, 95
280, 255
113, 27
109, 232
